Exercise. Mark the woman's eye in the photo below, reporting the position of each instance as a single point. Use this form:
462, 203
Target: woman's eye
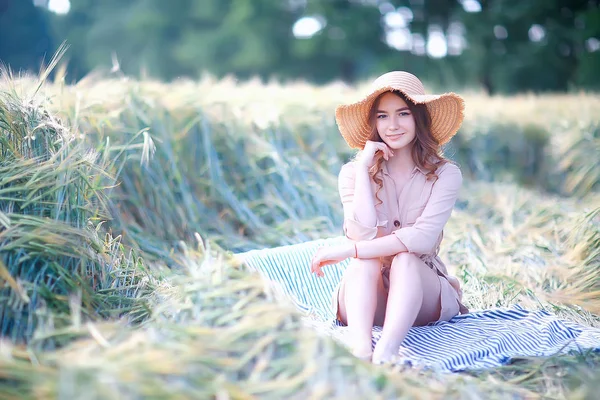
404, 113
381, 116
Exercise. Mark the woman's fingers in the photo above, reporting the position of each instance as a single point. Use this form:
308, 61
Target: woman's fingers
317, 271
383, 153
316, 262
386, 150
370, 150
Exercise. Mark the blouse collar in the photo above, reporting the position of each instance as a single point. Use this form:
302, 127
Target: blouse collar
416, 169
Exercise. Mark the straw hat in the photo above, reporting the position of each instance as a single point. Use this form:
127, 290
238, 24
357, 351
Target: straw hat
446, 110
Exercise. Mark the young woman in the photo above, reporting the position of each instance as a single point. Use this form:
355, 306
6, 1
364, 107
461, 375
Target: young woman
397, 194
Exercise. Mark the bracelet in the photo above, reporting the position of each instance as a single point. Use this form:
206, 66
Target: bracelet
355, 251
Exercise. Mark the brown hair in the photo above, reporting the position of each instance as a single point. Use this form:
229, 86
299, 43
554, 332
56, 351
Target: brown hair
426, 151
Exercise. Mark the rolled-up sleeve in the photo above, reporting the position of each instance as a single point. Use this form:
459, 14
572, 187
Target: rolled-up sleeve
423, 235
353, 229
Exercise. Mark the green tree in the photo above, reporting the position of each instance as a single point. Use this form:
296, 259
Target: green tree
516, 62
180, 37
589, 56
246, 38
25, 40
348, 46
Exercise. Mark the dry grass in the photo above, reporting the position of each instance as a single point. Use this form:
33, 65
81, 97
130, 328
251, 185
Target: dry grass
184, 173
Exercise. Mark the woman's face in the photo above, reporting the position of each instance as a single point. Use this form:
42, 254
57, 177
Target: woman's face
395, 123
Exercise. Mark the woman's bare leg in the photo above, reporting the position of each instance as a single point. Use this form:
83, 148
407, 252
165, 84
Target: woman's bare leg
362, 300
413, 299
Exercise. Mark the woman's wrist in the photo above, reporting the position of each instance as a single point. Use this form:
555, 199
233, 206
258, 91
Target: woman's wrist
354, 250
362, 166
349, 251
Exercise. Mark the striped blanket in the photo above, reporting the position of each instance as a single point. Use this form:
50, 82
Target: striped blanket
481, 339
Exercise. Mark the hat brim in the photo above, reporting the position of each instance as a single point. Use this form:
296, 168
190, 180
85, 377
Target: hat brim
446, 112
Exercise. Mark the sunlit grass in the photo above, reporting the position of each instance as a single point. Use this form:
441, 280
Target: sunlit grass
106, 183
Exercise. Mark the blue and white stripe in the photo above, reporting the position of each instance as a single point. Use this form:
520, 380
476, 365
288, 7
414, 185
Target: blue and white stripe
481, 339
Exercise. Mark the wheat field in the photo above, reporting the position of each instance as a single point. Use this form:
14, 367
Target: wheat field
122, 202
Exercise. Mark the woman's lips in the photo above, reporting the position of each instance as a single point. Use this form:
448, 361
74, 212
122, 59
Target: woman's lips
396, 136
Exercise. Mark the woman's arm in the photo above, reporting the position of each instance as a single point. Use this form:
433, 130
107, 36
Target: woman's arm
423, 235
381, 247
419, 238
384, 246
361, 208
354, 185
362, 224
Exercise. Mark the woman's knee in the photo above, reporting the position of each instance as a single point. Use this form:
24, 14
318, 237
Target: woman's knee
370, 267
406, 262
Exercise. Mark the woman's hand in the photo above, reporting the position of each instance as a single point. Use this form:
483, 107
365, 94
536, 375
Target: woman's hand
328, 255
368, 155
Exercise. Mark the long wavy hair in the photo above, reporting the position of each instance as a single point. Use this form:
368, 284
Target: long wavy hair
426, 151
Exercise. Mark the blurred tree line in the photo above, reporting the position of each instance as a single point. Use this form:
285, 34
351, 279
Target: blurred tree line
504, 46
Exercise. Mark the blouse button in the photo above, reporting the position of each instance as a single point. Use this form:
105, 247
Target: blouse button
396, 223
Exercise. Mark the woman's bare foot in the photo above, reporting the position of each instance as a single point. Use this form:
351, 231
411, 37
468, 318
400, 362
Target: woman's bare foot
363, 355
364, 351
385, 353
